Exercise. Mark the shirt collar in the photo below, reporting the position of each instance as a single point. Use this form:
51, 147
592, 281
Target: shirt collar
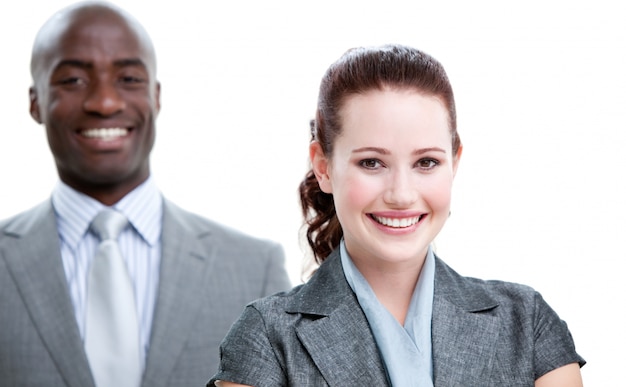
406, 350
143, 207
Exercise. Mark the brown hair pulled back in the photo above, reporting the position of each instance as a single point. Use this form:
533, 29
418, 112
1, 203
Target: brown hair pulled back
358, 71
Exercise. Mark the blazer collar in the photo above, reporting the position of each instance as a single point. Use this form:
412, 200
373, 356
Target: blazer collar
467, 294
465, 329
32, 254
340, 343
325, 291
184, 262
327, 288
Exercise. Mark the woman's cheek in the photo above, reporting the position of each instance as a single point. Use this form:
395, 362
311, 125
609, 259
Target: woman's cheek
439, 193
361, 190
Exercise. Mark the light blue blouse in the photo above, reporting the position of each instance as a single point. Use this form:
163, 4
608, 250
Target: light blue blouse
406, 350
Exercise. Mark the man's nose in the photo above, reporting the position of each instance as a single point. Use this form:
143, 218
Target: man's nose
104, 99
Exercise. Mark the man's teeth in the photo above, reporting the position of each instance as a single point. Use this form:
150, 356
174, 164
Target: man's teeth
105, 134
397, 223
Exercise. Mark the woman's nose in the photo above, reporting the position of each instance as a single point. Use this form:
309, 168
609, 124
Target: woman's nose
402, 191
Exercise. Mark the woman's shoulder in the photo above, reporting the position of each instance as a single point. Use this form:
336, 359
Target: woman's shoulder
326, 290
274, 315
278, 301
474, 290
528, 330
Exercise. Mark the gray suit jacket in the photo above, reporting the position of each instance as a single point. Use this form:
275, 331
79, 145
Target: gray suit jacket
484, 333
208, 274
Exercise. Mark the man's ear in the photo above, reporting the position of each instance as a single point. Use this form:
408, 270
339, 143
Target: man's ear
320, 165
157, 96
34, 105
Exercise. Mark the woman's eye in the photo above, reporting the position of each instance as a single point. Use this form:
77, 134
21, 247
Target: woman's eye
427, 163
369, 163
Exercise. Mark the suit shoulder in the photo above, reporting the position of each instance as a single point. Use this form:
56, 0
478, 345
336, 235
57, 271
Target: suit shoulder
454, 284
502, 287
26, 220
201, 224
453, 276
276, 303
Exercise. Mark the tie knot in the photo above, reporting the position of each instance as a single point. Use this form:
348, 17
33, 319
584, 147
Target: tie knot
108, 224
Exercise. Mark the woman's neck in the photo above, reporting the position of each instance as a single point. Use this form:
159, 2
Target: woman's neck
393, 285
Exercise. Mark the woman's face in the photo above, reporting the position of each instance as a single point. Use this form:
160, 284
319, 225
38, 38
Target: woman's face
390, 175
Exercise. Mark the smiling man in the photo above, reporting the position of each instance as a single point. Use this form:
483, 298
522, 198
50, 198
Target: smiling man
96, 93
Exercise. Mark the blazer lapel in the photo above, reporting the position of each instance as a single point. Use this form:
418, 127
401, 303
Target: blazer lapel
337, 335
465, 329
183, 263
33, 258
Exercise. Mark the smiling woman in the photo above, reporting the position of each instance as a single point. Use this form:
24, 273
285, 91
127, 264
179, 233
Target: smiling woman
383, 308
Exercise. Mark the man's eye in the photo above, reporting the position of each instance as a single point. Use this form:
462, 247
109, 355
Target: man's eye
71, 81
131, 79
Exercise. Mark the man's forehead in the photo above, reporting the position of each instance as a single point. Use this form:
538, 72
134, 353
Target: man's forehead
88, 36
104, 38
98, 30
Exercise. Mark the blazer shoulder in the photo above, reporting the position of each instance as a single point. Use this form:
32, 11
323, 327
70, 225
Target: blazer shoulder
203, 226
27, 221
474, 294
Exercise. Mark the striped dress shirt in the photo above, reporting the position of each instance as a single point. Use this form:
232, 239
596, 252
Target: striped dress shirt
140, 245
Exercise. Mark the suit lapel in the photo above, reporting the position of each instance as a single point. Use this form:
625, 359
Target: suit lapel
183, 264
33, 258
343, 349
465, 329
337, 336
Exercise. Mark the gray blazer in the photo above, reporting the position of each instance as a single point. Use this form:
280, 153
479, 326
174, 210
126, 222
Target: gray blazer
208, 274
484, 333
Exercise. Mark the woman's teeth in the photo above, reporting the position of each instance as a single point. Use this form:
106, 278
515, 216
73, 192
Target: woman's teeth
395, 222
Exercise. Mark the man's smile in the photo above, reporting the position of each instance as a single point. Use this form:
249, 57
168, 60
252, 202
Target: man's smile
105, 134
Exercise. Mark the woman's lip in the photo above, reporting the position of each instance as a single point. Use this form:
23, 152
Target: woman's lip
398, 222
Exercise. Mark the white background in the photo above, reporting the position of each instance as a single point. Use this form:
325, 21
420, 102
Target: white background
541, 96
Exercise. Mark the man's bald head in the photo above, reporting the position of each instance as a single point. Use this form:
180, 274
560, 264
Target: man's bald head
52, 33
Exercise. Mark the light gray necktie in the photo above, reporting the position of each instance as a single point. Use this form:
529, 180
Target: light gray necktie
111, 329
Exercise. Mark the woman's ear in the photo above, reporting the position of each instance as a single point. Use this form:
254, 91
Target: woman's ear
320, 165
457, 159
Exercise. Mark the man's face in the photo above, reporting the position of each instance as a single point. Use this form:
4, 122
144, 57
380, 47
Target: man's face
96, 93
